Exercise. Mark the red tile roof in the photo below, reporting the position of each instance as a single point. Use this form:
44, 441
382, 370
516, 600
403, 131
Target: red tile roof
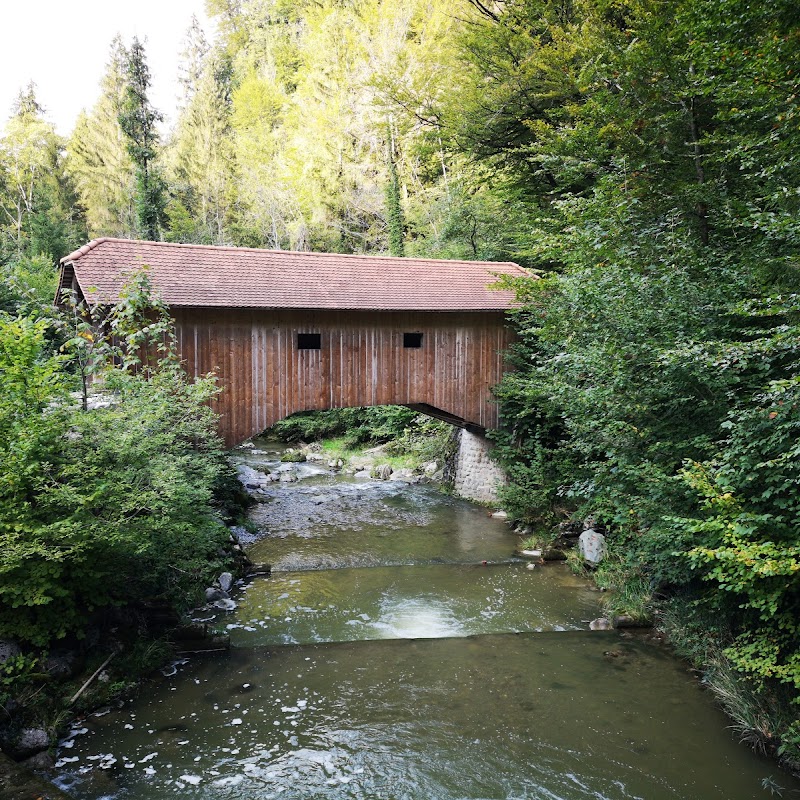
205, 276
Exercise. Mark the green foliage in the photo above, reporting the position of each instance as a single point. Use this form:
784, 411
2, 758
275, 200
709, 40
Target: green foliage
394, 211
97, 159
16, 673
37, 214
746, 544
30, 285
108, 507
411, 438
138, 120
656, 382
357, 425
200, 155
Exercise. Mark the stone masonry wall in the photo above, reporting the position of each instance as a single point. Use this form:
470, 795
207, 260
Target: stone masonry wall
477, 476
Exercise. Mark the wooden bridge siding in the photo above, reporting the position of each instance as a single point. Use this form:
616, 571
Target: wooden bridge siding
362, 362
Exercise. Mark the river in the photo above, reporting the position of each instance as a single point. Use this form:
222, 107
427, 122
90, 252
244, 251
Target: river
398, 651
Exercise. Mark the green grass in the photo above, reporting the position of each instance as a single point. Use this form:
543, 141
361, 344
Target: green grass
762, 715
334, 449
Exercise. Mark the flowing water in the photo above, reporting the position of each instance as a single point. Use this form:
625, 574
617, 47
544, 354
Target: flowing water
399, 652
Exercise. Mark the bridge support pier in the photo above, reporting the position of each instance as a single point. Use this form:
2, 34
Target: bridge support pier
476, 476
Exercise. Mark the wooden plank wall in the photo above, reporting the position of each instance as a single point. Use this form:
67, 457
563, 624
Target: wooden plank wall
362, 362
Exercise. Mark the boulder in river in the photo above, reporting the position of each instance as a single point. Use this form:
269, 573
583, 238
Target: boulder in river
592, 546
225, 581
41, 762
293, 457
382, 472
600, 624
402, 475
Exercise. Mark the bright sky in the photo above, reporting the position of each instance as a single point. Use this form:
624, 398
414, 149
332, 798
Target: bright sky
63, 47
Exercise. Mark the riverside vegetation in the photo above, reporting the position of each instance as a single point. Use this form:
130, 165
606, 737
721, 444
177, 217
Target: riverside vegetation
109, 518
641, 157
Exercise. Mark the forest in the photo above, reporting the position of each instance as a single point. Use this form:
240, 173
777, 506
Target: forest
641, 158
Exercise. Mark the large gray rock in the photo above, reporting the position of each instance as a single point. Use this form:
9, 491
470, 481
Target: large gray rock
8, 650
225, 581
382, 472
402, 475
41, 762
31, 741
592, 546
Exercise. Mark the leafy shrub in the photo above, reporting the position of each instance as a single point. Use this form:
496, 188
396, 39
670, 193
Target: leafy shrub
103, 508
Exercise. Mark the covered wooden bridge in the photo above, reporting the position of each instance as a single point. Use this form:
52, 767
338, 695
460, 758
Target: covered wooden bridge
296, 331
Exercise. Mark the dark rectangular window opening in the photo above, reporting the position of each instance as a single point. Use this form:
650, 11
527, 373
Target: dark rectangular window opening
309, 341
412, 340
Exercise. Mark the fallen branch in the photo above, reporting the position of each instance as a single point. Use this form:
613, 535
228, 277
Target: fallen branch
93, 676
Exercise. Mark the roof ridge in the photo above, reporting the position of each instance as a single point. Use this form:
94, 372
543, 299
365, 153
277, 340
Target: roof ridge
82, 251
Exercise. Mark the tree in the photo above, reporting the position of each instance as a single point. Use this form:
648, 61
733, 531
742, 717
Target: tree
107, 507
394, 211
97, 156
193, 59
32, 184
138, 120
200, 160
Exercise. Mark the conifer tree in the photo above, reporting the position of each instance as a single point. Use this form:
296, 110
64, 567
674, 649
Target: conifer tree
138, 120
394, 211
200, 163
97, 156
193, 59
